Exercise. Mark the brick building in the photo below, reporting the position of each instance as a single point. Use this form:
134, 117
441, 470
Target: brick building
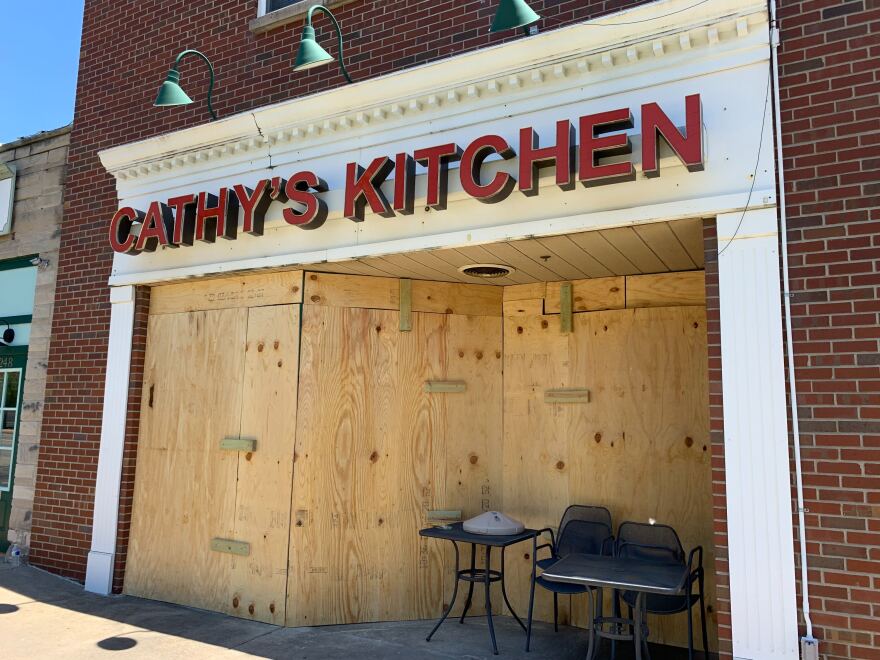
417, 67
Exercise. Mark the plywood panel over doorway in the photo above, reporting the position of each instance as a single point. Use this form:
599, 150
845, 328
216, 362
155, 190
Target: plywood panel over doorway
639, 447
375, 452
210, 375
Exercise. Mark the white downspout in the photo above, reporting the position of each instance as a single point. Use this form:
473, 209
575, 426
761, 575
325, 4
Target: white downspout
809, 644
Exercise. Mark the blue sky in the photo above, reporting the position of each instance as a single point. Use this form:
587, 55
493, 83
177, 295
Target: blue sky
40, 60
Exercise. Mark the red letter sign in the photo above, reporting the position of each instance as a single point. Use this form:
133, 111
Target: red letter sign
362, 188
157, 224
121, 239
216, 215
437, 160
532, 158
297, 189
502, 183
254, 204
688, 148
594, 147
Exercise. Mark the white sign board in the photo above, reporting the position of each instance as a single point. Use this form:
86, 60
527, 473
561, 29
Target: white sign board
7, 193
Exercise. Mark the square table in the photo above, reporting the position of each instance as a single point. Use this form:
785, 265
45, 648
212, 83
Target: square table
457, 534
623, 574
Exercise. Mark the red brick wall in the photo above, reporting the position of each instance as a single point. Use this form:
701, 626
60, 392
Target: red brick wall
830, 88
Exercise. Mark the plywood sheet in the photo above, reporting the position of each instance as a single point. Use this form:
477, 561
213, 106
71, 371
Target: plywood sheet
639, 447
665, 289
185, 484
384, 293
588, 295
265, 476
227, 293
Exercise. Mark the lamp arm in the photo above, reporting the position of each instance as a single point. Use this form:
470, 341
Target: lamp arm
323, 9
210, 69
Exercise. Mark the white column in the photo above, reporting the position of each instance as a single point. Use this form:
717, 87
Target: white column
99, 572
759, 505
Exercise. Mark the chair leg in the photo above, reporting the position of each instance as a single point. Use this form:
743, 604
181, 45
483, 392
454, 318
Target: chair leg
615, 611
703, 622
531, 611
555, 612
690, 633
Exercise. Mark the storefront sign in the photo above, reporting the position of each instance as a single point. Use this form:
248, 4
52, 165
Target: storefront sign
205, 216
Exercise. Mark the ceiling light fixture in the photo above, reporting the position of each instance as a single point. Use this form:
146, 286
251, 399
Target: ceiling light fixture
486, 271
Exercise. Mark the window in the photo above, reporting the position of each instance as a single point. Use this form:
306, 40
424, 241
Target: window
10, 391
272, 5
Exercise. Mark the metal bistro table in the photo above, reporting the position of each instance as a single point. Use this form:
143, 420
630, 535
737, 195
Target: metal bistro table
643, 577
473, 574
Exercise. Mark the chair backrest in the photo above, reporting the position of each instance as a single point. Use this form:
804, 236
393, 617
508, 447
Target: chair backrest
585, 529
648, 542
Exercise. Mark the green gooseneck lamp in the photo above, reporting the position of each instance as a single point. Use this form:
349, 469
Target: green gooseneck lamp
171, 93
513, 14
310, 52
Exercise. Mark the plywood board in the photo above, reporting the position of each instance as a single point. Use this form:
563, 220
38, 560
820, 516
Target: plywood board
184, 492
524, 307
640, 447
588, 295
279, 288
384, 293
265, 475
665, 289
525, 291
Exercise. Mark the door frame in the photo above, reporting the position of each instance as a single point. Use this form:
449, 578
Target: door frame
12, 358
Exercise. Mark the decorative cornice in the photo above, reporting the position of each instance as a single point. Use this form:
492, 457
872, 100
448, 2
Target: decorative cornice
639, 37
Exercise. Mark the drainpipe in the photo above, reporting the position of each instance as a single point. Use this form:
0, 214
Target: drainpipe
809, 644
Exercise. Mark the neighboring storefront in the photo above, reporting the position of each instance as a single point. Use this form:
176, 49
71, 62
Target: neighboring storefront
304, 358
32, 173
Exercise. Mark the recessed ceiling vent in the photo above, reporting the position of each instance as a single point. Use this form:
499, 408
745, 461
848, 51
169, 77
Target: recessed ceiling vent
486, 271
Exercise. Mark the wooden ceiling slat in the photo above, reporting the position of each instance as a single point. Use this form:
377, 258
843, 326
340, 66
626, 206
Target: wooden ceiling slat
507, 254
477, 254
573, 254
690, 233
659, 237
594, 244
630, 245
536, 251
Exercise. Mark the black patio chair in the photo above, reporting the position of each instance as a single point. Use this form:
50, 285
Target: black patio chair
583, 529
661, 543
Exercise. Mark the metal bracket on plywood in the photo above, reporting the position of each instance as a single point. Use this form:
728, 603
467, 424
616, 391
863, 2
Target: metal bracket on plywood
238, 444
405, 305
565, 307
567, 395
445, 386
231, 547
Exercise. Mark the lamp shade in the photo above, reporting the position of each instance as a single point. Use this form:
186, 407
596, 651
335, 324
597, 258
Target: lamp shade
513, 14
171, 93
310, 52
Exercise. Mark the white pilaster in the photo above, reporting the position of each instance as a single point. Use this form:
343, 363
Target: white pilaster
759, 505
99, 572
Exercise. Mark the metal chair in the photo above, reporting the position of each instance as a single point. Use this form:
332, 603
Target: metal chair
660, 543
583, 529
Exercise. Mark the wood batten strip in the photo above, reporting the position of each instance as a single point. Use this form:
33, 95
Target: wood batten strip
242, 291
334, 290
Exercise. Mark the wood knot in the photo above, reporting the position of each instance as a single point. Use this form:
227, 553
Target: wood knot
519, 330
598, 437
315, 299
696, 325
560, 465
473, 459
235, 602
374, 457
605, 328
705, 448
545, 324
461, 354
272, 608
498, 355
689, 441
260, 347
280, 362
479, 355
295, 289
527, 556
248, 456
449, 310
299, 523
381, 521
251, 609
614, 289
277, 344
378, 328
313, 277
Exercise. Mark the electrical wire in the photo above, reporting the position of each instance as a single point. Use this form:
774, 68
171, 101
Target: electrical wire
755, 172
647, 20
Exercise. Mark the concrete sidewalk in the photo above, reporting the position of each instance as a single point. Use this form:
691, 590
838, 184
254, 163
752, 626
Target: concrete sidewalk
46, 617
43, 616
